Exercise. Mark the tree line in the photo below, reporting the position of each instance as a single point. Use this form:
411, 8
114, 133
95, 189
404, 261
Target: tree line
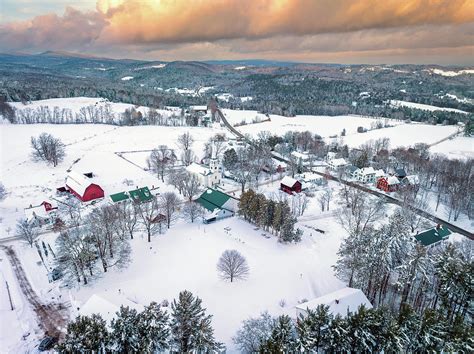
184, 328
366, 330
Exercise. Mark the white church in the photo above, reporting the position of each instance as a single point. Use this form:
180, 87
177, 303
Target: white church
209, 176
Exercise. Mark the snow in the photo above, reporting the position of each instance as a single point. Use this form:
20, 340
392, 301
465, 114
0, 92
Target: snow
340, 302
425, 107
460, 147
126, 78
403, 135
239, 67
225, 96
246, 98
198, 169
451, 73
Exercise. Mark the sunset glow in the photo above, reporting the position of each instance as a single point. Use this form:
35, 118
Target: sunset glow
311, 30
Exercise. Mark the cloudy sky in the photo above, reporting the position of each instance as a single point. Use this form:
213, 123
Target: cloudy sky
341, 31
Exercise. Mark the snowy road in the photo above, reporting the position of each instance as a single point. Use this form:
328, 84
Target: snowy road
52, 317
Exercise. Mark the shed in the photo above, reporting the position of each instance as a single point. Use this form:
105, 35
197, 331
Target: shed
212, 199
433, 235
340, 302
82, 187
289, 185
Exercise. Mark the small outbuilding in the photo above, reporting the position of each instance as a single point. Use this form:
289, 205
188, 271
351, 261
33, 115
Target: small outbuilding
340, 302
289, 185
82, 187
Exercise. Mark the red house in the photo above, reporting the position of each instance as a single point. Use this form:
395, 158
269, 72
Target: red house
290, 185
388, 184
82, 187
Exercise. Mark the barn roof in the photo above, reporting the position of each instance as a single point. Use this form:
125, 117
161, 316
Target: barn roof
212, 199
141, 194
137, 195
340, 301
433, 235
288, 181
77, 182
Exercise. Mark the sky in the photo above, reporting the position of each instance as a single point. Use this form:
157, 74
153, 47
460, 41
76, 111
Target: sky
323, 31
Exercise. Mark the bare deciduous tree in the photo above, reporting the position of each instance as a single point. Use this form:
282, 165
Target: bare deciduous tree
169, 203
192, 210
48, 148
232, 265
148, 214
27, 231
190, 185
160, 160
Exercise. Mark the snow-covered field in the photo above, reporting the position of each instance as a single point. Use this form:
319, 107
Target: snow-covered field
325, 126
460, 147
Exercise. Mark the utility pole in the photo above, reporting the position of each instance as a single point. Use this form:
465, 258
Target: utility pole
9, 296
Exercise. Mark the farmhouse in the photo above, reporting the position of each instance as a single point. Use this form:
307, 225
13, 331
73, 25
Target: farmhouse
42, 214
433, 236
365, 174
337, 164
302, 158
340, 302
388, 184
219, 204
311, 180
82, 187
290, 185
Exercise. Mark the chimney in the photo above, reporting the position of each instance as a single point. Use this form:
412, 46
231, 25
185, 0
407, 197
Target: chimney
438, 226
337, 301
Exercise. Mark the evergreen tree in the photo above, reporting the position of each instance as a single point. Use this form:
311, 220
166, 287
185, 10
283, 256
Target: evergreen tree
431, 333
153, 329
126, 331
282, 338
336, 339
360, 334
85, 334
313, 329
190, 326
277, 218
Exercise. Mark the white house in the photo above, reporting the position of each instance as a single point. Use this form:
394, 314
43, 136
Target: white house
337, 164
303, 158
42, 214
311, 180
340, 302
331, 155
365, 174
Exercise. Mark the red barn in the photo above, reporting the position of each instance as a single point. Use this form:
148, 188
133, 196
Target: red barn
82, 187
388, 184
290, 185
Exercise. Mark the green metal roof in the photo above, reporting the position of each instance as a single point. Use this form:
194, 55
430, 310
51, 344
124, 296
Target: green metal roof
212, 199
137, 195
433, 235
118, 197
140, 194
